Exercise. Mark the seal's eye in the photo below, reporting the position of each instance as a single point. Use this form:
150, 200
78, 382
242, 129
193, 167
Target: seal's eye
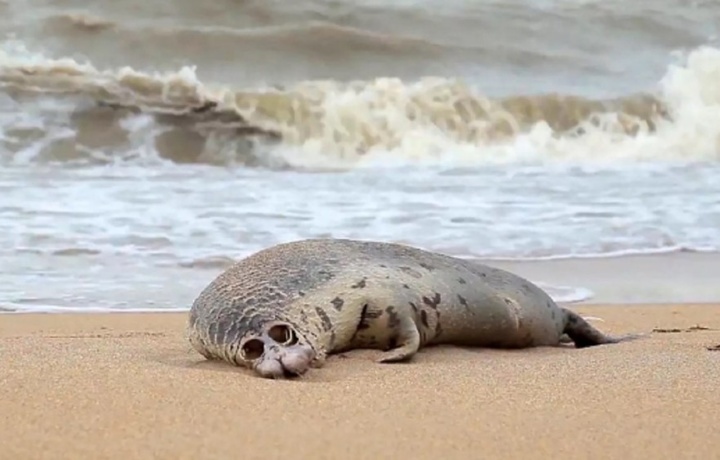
283, 334
253, 349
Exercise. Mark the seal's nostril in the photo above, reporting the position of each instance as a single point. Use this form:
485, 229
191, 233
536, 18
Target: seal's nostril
253, 349
283, 334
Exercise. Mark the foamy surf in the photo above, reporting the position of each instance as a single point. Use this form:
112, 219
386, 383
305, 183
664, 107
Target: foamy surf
66, 107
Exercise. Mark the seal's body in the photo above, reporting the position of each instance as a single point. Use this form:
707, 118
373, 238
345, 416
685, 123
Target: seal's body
287, 307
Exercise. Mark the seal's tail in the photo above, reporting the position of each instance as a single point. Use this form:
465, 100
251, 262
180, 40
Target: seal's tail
583, 334
566, 338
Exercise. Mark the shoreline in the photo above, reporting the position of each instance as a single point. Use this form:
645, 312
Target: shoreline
119, 385
626, 280
169, 312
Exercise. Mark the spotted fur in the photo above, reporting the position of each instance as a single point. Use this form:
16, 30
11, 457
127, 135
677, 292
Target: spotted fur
342, 294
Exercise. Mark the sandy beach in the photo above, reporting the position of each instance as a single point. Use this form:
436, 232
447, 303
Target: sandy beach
129, 386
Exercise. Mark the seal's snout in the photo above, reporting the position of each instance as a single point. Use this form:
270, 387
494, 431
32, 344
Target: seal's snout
284, 362
296, 360
277, 353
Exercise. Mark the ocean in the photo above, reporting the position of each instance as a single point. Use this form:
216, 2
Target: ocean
145, 146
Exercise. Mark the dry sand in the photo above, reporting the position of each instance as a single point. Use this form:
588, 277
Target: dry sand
98, 386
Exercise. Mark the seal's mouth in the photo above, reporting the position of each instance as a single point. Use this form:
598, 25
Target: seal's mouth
287, 365
292, 374
277, 352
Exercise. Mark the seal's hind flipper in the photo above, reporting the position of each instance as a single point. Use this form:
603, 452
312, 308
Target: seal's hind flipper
583, 334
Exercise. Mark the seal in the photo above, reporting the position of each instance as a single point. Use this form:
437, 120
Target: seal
284, 309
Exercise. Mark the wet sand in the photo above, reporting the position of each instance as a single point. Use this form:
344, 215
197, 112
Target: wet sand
676, 277
129, 386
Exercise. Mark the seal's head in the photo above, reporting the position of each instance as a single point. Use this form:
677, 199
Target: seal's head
276, 351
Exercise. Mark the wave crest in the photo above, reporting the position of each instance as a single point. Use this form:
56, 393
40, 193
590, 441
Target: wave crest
86, 113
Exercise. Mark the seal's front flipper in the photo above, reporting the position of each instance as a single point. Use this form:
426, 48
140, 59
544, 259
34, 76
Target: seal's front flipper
408, 342
585, 335
565, 339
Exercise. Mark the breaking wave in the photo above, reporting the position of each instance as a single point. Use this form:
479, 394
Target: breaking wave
62, 110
